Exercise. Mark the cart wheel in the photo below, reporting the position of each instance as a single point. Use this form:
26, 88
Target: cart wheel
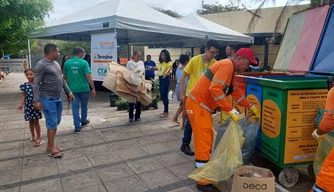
311, 171
288, 177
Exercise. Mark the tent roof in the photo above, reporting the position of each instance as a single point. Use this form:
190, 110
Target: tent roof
217, 31
134, 23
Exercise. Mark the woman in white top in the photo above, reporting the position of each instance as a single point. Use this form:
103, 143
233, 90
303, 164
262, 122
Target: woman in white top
135, 63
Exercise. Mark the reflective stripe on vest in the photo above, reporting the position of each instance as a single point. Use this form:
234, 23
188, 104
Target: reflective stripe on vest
220, 97
191, 97
239, 100
317, 189
205, 107
219, 81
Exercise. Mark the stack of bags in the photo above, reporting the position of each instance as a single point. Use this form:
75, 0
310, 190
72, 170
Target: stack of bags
130, 85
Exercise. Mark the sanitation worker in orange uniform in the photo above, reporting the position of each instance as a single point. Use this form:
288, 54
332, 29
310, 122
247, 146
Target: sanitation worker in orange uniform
210, 92
325, 179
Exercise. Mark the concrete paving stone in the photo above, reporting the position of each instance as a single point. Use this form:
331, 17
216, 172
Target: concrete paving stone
173, 144
104, 158
146, 141
72, 144
182, 189
182, 170
64, 138
178, 133
16, 189
71, 154
171, 159
52, 185
155, 148
88, 138
11, 145
191, 158
128, 129
80, 181
114, 172
112, 135
96, 188
98, 149
158, 178
17, 126
8, 135
73, 164
122, 145
144, 165
129, 184
29, 148
165, 137
130, 153
134, 134
153, 130
38, 166
99, 125
10, 171
16, 152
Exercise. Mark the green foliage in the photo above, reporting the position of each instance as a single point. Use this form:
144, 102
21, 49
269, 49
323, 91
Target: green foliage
19, 18
66, 47
121, 101
168, 12
216, 8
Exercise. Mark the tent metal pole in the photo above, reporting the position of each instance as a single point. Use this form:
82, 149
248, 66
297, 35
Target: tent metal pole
29, 54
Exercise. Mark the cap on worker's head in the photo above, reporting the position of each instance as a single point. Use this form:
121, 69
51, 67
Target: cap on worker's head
249, 54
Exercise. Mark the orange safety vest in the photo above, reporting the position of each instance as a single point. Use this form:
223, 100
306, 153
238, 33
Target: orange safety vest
213, 87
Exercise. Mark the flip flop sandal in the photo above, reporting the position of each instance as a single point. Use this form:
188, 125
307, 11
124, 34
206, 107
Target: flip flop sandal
54, 155
177, 122
38, 144
32, 139
58, 149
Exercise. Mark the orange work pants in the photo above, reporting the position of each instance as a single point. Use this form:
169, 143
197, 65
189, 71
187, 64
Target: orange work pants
324, 180
201, 123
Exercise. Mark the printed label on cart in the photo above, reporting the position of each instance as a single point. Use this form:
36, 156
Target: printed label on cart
302, 107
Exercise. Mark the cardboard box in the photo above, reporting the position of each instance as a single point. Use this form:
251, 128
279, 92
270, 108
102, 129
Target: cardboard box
248, 184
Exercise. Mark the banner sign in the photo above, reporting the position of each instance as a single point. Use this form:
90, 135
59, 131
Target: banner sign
103, 50
13, 65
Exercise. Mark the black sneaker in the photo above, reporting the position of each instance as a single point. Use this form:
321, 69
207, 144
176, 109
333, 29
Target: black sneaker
77, 131
187, 150
85, 124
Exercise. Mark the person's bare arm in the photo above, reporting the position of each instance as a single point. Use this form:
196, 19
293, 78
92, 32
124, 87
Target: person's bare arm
23, 95
182, 87
91, 83
65, 77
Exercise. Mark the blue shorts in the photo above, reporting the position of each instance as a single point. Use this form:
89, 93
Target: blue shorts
52, 109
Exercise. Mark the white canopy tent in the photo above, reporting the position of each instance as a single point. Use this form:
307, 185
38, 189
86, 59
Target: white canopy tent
215, 30
135, 24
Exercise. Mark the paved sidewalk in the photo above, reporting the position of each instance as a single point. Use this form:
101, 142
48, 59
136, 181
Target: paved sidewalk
109, 155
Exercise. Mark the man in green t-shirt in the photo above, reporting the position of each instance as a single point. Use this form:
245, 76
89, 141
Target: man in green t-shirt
78, 76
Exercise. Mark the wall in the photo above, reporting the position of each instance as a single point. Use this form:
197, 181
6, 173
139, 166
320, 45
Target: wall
264, 25
272, 52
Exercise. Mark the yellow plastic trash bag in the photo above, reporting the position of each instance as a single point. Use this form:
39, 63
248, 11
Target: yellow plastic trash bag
325, 145
225, 159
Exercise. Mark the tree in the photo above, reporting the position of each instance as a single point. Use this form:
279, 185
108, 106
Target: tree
65, 47
19, 18
216, 8
168, 12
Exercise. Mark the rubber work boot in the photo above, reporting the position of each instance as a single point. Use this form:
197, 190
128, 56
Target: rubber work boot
204, 188
187, 150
